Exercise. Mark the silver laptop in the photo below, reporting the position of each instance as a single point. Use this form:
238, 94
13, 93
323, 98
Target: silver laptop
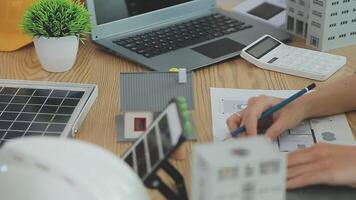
161, 34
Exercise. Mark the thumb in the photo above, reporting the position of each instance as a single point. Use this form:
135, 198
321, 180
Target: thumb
276, 128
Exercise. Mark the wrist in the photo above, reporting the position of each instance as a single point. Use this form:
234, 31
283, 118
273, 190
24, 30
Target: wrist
305, 106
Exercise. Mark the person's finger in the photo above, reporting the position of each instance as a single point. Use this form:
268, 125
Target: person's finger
250, 122
298, 170
300, 157
277, 128
311, 178
256, 106
310, 154
242, 135
234, 121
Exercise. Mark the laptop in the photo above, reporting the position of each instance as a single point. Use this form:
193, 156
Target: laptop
162, 34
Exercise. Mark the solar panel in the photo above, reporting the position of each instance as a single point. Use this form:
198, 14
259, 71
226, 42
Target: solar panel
35, 108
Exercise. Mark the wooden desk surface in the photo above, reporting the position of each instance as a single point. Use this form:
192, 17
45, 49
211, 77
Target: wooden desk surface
101, 68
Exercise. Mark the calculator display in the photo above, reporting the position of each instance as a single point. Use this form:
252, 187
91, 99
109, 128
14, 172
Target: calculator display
262, 47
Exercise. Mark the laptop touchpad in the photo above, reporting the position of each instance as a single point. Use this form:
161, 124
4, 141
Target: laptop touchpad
219, 48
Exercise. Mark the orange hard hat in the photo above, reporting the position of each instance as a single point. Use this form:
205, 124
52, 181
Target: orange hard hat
11, 36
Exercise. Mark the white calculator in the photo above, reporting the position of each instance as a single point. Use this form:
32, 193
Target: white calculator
269, 53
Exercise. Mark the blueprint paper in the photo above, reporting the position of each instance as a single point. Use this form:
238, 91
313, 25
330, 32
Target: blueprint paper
332, 129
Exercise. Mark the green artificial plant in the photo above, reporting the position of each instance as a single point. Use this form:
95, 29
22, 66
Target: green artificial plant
56, 18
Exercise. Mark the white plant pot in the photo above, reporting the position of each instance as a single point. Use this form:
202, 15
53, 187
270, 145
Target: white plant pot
57, 54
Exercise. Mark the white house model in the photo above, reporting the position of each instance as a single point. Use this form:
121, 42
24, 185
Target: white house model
297, 17
238, 169
328, 24
144, 94
332, 24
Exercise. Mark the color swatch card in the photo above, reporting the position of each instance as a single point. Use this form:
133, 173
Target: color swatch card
332, 129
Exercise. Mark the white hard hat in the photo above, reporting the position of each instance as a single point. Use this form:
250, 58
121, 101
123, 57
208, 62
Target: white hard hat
42, 168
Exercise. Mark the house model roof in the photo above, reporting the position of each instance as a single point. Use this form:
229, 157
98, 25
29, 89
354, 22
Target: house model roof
151, 91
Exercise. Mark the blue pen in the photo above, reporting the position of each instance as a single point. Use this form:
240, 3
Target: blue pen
273, 109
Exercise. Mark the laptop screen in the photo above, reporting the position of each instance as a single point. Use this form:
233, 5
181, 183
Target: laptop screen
112, 10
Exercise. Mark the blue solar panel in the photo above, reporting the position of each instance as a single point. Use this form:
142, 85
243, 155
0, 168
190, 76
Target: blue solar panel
31, 110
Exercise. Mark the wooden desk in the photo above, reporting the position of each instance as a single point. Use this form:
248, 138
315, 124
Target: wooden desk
101, 68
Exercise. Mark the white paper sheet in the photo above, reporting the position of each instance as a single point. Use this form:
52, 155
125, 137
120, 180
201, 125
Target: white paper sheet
332, 129
277, 20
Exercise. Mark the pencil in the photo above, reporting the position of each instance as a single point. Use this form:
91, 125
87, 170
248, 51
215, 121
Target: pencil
273, 109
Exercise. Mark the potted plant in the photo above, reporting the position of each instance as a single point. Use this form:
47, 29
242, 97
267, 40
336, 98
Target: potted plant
56, 26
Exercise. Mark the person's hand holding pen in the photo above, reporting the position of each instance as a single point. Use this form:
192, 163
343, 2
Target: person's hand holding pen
322, 163
288, 117
319, 164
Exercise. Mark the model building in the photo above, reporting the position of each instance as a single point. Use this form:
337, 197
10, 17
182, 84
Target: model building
144, 94
243, 169
332, 24
297, 17
325, 24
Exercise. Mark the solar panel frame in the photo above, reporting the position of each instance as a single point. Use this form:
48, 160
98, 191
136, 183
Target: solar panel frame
20, 90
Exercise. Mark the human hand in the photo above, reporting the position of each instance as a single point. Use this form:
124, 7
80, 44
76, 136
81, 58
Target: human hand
322, 164
288, 117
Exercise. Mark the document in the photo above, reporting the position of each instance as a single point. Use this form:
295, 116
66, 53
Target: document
331, 129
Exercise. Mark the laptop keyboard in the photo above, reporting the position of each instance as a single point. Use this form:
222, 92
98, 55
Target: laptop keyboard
181, 35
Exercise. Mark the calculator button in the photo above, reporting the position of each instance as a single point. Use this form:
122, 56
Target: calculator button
272, 60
